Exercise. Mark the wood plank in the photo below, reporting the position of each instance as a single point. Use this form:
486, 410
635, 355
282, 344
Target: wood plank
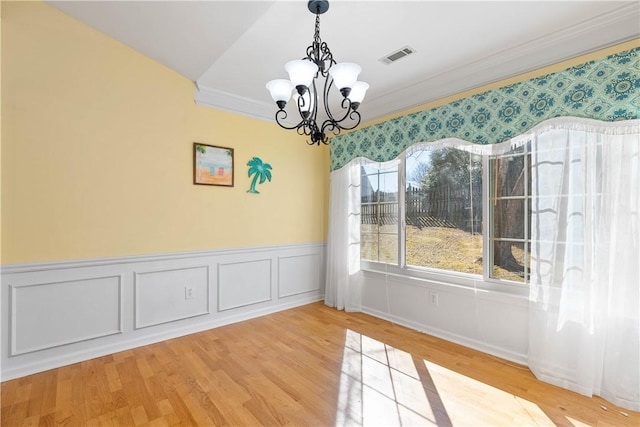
311, 365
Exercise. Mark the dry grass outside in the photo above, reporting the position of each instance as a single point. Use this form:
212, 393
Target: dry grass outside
387, 250
435, 247
444, 248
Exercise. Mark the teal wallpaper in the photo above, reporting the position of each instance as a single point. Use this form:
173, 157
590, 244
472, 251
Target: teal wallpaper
606, 89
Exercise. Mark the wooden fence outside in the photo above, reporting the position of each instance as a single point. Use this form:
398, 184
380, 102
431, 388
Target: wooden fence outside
434, 208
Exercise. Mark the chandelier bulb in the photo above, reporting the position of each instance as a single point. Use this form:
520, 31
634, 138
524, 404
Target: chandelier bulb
301, 72
357, 92
344, 74
280, 90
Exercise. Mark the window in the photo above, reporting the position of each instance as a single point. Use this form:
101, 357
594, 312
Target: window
438, 222
443, 210
510, 200
379, 215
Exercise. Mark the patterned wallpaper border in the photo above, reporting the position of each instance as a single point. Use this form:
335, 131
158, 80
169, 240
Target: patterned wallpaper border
606, 89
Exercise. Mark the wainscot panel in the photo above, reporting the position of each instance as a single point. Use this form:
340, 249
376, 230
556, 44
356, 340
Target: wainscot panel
489, 321
244, 283
298, 274
45, 315
58, 313
166, 296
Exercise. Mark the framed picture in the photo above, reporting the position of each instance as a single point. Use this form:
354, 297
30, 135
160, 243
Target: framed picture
212, 165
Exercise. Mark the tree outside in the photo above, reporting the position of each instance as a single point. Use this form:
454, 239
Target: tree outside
443, 211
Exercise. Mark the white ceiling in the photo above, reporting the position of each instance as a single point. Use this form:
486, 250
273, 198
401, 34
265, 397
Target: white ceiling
232, 48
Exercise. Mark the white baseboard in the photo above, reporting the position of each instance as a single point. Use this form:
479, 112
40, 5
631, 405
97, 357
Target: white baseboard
503, 353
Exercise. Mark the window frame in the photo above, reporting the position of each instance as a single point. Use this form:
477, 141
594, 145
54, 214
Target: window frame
526, 197
378, 174
482, 281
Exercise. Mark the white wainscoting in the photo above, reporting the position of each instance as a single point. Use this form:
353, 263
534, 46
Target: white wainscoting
489, 321
244, 283
170, 295
57, 313
298, 274
45, 315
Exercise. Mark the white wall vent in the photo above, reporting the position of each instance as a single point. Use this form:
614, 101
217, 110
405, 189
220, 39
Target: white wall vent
395, 55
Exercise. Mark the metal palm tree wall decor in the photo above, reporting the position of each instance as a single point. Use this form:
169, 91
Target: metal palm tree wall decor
303, 73
261, 172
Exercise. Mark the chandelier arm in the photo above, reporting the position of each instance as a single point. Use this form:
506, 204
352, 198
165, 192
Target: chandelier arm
303, 131
314, 111
300, 104
311, 54
348, 112
345, 105
355, 116
326, 57
336, 126
325, 96
316, 135
307, 124
283, 116
305, 128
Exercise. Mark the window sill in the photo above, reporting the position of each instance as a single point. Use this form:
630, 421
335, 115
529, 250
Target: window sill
446, 280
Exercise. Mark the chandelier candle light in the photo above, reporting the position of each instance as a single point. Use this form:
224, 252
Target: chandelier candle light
303, 73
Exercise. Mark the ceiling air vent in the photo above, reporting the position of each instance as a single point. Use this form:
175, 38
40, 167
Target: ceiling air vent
400, 53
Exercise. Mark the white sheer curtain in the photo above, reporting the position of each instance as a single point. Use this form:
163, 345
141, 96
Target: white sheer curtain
343, 242
343, 280
584, 313
584, 328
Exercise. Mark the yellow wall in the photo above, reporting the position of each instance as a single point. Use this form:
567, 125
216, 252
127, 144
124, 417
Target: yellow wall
97, 154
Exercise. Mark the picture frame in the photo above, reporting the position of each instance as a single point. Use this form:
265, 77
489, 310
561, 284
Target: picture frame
212, 165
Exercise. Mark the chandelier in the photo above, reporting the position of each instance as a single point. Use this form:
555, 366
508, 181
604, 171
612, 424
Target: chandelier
319, 65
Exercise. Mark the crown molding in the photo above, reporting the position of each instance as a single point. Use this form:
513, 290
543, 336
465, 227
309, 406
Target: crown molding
226, 101
221, 100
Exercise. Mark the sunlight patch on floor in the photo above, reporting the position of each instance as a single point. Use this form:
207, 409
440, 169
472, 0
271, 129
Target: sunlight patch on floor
576, 423
383, 386
467, 399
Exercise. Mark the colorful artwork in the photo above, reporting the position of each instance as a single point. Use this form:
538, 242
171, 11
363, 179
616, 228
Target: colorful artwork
261, 172
212, 165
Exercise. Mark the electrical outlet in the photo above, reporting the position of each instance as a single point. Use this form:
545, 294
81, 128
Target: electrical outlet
433, 297
188, 292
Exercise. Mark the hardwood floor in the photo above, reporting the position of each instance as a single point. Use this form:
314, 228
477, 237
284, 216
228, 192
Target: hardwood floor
311, 365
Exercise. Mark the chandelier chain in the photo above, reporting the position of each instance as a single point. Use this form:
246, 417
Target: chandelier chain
316, 36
